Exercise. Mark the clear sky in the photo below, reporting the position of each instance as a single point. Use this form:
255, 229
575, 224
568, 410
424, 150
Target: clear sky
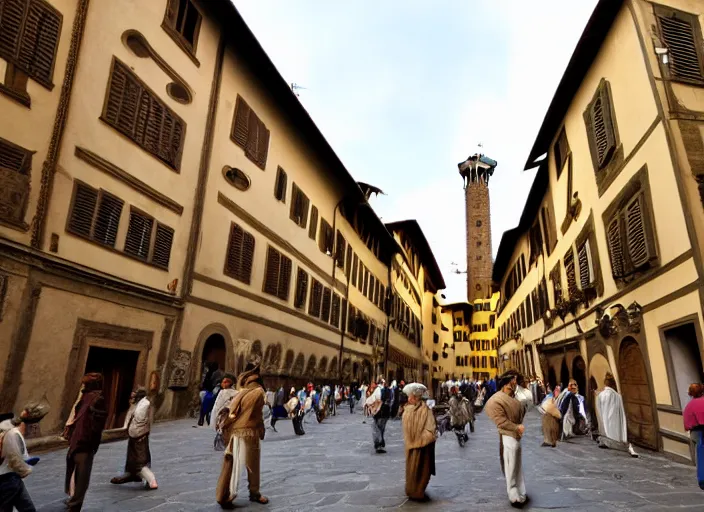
404, 90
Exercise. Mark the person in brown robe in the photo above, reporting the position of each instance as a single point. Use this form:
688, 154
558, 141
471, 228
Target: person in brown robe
551, 423
419, 437
242, 432
84, 436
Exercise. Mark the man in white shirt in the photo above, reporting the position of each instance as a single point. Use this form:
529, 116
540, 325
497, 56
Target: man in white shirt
15, 463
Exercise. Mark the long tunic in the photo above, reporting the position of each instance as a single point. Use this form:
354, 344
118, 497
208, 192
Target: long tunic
611, 415
419, 437
139, 422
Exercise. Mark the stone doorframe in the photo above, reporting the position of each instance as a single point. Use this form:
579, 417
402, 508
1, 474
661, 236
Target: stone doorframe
97, 334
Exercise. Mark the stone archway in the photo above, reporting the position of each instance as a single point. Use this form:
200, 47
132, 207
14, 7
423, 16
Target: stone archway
366, 371
323, 367
598, 367
552, 377
564, 374
255, 353
288, 362
332, 369
311, 368
211, 332
298, 365
635, 390
346, 370
579, 373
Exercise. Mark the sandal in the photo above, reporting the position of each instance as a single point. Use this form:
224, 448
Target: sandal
262, 500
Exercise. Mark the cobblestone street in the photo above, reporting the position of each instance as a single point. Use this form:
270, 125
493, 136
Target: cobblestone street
333, 467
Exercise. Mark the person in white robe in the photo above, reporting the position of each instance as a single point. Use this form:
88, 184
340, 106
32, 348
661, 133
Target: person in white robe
613, 431
225, 395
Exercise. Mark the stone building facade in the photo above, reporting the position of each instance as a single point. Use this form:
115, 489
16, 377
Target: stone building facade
604, 271
166, 201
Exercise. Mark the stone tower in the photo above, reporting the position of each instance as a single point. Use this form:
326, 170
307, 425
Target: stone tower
475, 172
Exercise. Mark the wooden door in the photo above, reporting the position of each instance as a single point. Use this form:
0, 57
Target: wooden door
635, 390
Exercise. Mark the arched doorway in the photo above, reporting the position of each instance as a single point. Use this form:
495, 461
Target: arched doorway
552, 378
564, 374
635, 390
579, 373
591, 403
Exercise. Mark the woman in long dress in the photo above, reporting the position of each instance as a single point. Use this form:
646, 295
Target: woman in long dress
419, 438
693, 417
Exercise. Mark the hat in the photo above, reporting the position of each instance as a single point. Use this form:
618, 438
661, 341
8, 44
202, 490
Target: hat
415, 388
35, 411
249, 376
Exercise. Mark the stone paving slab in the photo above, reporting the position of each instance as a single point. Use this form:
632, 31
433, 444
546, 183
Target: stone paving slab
334, 467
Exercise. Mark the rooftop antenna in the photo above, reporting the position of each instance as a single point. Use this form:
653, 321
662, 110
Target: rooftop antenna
295, 88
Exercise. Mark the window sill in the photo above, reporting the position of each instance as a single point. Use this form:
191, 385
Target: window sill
181, 43
116, 251
12, 224
20, 97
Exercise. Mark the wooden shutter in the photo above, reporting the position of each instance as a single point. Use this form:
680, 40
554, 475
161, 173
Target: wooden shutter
271, 275
316, 296
12, 13
240, 126
351, 319
15, 163
280, 185
284, 284
299, 207
586, 273
561, 150
360, 277
313, 228
327, 302
299, 299
335, 310
571, 277
340, 247
138, 113
640, 249
172, 9
602, 127
82, 209
162, 246
139, 235
615, 243
240, 254
343, 314
348, 261
678, 34
262, 145
108, 219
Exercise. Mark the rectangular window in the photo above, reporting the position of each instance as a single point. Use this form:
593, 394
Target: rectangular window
600, 126
240, 254
335, 310
182, 23
434, 318
372, 284
343, 314
436, 338
135, 111
95, 214
492, 321
299, 206
340, 248
313, 226
316, 298
15, 165
365, 282
681, 35
354, 270
457, 336
326, 304
561, 150
325, 240
348, 261
277, 276
142, 230
29, 36
280, 185
299, 299
351, 319
250, 133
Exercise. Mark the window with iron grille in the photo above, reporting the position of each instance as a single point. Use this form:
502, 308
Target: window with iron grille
240, 254
277, 276
29, 37
280, 185
326, 303
299, 207
15, 166
250, 133
316, 298
136, 111
340, 248
601, 126
629, 231
681, 34
95, 214
182, 22
325, 241
335, 310
299, 299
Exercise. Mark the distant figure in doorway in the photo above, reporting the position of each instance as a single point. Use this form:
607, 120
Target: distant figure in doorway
84, 436
693, 417
613, 432
419, 438
207, 397
139, 458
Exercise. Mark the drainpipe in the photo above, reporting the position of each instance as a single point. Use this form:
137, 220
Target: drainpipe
389, 294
